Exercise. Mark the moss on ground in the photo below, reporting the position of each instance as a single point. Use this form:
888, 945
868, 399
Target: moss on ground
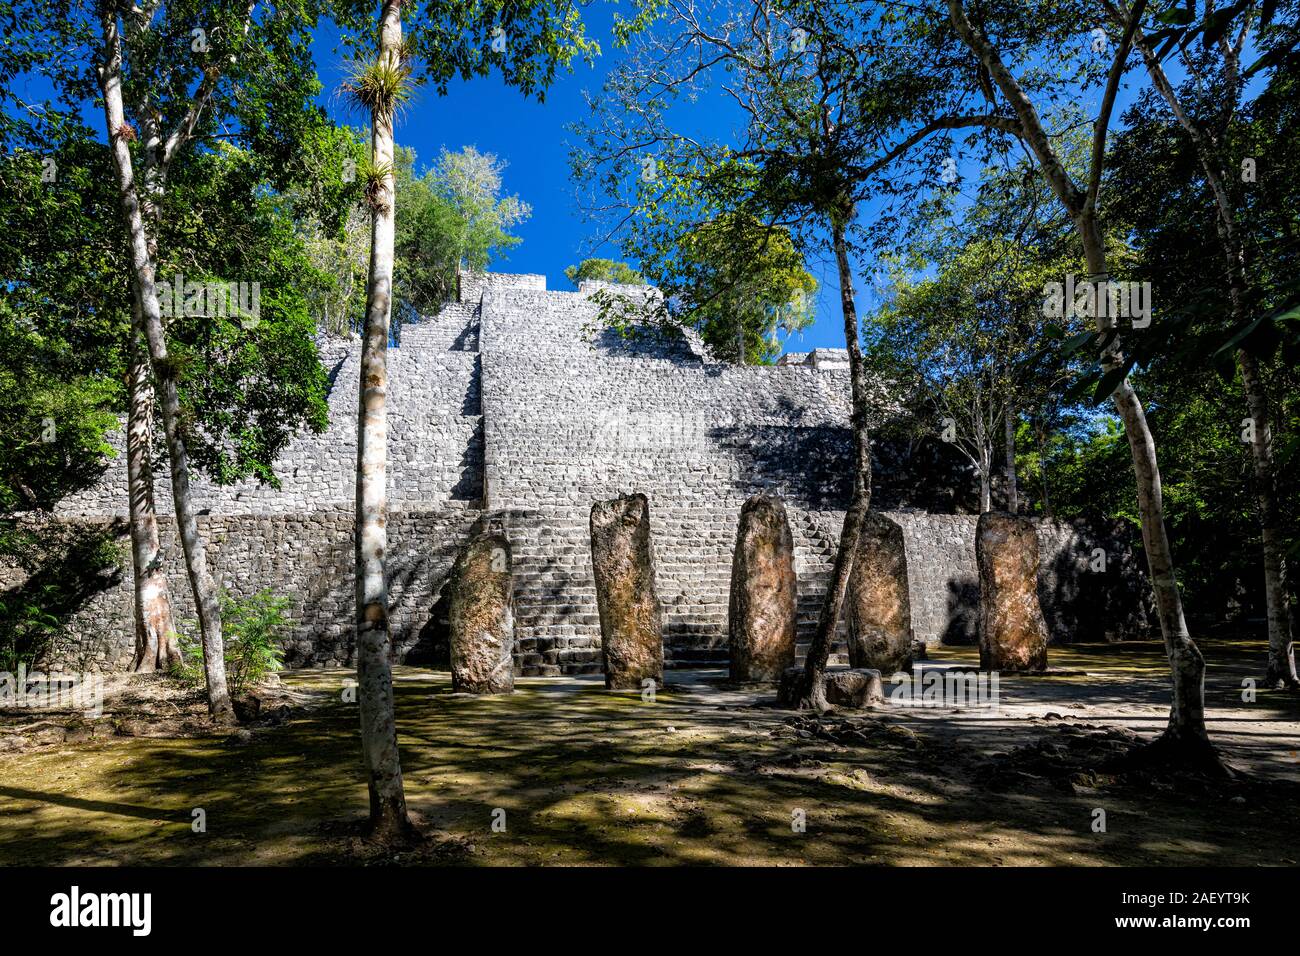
589, 777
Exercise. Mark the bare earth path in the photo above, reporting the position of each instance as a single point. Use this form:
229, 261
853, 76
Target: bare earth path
705, 774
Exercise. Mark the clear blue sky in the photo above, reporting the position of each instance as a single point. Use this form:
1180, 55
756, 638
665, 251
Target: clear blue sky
533, 140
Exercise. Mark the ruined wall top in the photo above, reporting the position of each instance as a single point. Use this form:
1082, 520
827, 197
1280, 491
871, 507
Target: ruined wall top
524, 389
470, 286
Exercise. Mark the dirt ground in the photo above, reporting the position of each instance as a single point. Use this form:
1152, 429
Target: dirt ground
706, 774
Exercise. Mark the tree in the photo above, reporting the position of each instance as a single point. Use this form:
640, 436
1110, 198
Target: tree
739, 283
603, 270
964, 341
68, 281
171, 78
452, 217
1051, 30
526, 41
1207, 107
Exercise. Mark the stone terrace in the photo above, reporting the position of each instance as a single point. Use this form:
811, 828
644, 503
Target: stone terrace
512, 401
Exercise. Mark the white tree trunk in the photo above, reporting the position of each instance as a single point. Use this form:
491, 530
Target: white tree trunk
1185, 737
143, 270
374, 671
156, 647
986, 478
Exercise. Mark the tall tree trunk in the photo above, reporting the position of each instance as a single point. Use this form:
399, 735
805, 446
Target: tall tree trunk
1013, 497
388, 816
1186, 728
1185, 739
143, 270
1281, 669
812, 690
155, 645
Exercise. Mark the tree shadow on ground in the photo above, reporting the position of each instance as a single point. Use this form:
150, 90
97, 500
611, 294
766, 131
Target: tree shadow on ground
587, 776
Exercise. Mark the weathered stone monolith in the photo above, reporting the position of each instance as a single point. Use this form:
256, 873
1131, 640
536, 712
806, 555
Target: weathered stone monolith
1013, 634
480, 617
631, 619
879, 610
761, 618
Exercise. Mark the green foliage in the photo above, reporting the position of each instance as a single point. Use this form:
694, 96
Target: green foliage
377, 86
27, 628
62, 315
740, 283
452, 216
253, 628
247, 385
62, 568
603, 270
523, 41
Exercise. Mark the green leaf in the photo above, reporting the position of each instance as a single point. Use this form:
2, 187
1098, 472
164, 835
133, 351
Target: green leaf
1109, 381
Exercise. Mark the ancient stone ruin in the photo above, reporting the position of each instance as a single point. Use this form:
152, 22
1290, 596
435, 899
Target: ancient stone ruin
1013, 634
511, 403
631, 619
877, 603
763, 605
853, 687
480, 616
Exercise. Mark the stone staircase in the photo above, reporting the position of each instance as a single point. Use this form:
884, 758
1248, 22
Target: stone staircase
557, 627
557, 624
814, 547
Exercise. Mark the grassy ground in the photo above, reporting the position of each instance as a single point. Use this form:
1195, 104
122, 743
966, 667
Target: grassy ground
706, 774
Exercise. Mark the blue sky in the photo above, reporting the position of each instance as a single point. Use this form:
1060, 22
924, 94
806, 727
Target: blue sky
532, 138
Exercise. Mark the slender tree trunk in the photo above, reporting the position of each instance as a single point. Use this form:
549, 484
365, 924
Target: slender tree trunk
388, 816
986, 479
143, 269
155, 646
1185, 739
812, 690
1186, 727
1013, 497
1281, 669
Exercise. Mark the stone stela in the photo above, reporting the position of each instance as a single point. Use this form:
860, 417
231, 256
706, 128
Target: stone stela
512, 405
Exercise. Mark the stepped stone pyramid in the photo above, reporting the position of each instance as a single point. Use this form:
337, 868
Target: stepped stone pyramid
512, 402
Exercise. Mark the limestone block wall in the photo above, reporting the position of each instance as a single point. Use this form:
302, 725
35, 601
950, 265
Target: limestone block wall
472, 285
308, 558
572, 416
513, 400
1079, 603
434, 427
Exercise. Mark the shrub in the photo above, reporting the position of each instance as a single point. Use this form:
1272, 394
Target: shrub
252, 627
